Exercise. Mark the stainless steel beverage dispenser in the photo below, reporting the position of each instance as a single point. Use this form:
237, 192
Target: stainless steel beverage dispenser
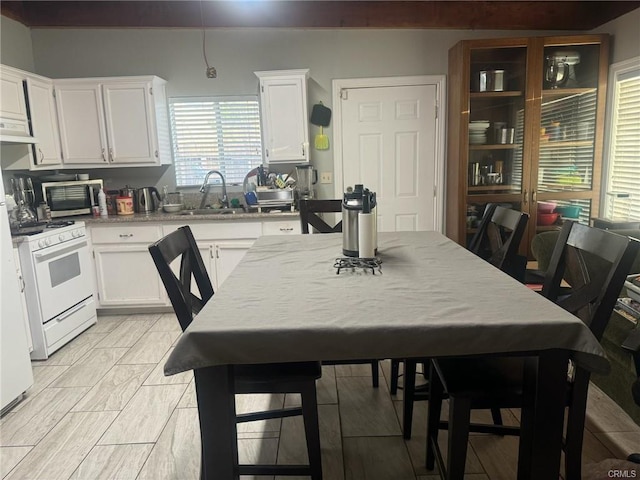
359, 224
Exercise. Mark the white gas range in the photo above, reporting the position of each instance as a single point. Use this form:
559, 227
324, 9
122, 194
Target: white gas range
59, 288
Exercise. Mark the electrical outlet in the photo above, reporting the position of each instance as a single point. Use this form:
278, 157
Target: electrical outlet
326, 177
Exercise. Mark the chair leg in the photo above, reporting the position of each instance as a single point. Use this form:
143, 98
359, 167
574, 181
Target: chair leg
496, 416
575, 426
407, 400
459, 415
312, 429
375, 374
436, 393
395, 374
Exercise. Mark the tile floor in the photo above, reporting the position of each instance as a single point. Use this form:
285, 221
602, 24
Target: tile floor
101, 408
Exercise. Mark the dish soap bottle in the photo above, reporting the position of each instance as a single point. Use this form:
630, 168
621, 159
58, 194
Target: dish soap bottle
102, 204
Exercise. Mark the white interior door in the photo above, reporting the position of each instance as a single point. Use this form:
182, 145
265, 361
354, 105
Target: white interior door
389, 143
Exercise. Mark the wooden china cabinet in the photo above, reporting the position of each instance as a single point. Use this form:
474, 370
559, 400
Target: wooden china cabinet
525, 129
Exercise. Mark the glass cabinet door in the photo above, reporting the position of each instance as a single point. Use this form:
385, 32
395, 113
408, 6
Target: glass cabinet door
496, 120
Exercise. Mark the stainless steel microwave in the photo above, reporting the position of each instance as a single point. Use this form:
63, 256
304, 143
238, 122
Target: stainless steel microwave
71, 198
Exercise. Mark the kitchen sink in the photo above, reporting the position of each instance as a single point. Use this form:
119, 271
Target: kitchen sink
212, 211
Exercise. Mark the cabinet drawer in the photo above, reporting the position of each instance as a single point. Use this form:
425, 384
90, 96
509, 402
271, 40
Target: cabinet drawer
281, 228
221, 230
126, 234
59, 330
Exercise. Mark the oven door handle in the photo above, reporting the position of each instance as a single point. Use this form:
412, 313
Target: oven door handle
63, 248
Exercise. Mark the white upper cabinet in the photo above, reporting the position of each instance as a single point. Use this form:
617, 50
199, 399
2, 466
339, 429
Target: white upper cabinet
44, 124
12, 102
113, 121
283, 107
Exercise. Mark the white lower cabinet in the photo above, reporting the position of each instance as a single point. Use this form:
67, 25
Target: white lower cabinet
222, 245
127, 277
126, 274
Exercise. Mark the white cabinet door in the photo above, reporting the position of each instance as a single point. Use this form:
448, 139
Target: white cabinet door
42, 110
130, 123
228, 255
283, 104
12, 102
81, 120
127, 276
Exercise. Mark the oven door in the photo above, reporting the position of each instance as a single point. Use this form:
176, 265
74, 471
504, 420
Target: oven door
63, 276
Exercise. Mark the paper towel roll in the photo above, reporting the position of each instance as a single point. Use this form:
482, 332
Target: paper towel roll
366, 235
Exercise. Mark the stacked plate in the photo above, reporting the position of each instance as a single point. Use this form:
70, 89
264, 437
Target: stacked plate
478, 132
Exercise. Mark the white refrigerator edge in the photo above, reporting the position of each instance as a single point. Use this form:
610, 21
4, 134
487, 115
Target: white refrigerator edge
16, 375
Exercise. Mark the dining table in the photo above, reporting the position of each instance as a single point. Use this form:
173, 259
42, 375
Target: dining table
423, 296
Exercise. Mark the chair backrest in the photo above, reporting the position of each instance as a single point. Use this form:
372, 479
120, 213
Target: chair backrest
498, 239
181, 244
308, 215
594, 263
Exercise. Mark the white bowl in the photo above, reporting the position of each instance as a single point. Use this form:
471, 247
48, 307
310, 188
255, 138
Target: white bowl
172, 207
479, 125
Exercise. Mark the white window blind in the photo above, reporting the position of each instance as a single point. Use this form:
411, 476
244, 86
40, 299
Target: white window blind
622, 197
215, 134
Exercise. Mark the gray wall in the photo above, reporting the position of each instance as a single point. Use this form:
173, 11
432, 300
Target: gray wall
16, 48
626, 36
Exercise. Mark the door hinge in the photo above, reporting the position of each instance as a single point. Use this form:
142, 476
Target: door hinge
344, 94
150, 90
436, 110
93, 254
262, 88
435, 191
53, 92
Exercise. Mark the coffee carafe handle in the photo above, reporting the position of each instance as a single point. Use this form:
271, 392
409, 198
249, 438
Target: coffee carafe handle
315, 177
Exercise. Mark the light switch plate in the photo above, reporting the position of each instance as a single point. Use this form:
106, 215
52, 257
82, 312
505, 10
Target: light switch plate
326, 177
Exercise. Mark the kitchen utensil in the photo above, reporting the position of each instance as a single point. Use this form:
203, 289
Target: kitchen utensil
490, 81
172, 207
321, 141
560, 69
307, 177
144, 200
127, 191
320, 115
546, 207
546, 219
359, 210
125, 205
569, 211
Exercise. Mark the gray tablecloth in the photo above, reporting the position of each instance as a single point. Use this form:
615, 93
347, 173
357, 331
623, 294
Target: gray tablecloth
284, 302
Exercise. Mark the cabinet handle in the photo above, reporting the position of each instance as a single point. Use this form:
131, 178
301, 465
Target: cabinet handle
303, 149
41, 155
126, 235
524, 197
267, 151
111, 156
156, 153
534, 196
104, 159
217, 252
23, 285
287, 229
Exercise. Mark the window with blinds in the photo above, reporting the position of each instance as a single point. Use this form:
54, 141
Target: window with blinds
622, 199
215, 134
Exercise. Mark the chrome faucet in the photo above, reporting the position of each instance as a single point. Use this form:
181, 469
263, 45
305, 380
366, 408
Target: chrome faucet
204, 189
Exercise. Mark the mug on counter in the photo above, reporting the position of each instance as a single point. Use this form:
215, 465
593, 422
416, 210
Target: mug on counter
124, 205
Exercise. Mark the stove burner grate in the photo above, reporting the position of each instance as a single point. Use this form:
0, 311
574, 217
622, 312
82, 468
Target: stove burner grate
366, 264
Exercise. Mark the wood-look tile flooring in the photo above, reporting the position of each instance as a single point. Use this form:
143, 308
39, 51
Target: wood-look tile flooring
101, 408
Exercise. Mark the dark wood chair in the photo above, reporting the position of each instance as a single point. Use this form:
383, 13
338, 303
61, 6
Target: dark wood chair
309, 210
594, 263
268, 378
497, 240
